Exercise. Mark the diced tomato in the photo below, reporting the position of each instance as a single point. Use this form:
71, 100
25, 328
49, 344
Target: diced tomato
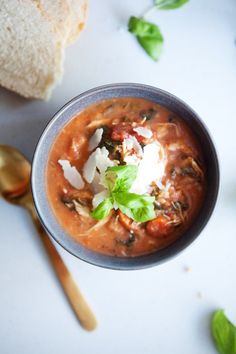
158, 227
121, 132
140, 138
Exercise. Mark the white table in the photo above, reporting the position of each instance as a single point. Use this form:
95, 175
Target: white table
165, 309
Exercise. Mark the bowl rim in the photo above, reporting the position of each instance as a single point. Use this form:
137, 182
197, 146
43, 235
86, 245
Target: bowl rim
45, 213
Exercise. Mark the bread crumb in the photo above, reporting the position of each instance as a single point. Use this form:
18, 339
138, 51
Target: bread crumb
187, 269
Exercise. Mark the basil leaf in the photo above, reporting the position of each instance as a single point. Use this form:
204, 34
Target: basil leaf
224, 333
121, 178
138, 207
132, 200
148, 35
144, 214
126, 211
141, 214
169, 4
103, 209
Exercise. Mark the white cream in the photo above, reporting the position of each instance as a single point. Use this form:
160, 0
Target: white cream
150, 169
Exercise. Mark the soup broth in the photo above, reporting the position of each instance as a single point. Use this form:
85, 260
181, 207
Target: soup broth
169, 167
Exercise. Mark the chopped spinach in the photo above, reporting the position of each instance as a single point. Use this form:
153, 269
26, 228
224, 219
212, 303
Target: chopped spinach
111, 145
188, 171
157, 205
184, 205
65, 199
171, 118
128, 242
173, 172
148, 113
179, 205
142, 144
106, 133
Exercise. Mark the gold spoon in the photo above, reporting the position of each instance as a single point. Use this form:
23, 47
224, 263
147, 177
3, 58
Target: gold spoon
15, 188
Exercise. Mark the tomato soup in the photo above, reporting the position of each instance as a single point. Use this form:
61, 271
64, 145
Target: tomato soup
126, 177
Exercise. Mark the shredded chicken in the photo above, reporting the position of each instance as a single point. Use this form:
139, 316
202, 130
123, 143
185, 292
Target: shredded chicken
196, 167
81, 210
163, 129
99, 122
95, 227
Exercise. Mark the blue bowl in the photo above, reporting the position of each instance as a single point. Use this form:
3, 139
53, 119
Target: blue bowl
78, 104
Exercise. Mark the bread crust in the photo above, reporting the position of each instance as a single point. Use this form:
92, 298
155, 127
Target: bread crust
80, 13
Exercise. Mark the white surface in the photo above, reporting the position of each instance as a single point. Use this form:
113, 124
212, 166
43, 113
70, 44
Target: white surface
160, 310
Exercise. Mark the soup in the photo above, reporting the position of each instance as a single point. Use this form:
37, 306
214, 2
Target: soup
126, 177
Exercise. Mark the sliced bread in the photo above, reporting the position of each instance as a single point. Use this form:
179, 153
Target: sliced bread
32, 52
59, 13
33, 37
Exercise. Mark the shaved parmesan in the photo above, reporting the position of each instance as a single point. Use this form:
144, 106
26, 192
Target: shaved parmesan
145, 132
132, 150
103, 160
90, 167
97, 160
132, 160
71, 174
130, 144
95, 139
99, 197
150, 169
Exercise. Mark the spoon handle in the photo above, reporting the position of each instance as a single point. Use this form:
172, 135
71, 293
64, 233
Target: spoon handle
76, 299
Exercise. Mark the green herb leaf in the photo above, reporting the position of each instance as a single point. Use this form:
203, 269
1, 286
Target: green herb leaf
224, 333
138, 207
121, 178
169, 4
132, 200
144, 214
148, 35
103, 209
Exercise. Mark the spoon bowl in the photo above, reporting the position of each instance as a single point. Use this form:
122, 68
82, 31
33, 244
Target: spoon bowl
14, 173
15, 187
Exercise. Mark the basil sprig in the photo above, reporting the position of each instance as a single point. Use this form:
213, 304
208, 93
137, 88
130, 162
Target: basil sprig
224, 333
169, 4
148, 34
119, 180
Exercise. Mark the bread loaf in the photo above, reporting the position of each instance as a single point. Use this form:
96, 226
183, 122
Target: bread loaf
33, 37
58, 12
